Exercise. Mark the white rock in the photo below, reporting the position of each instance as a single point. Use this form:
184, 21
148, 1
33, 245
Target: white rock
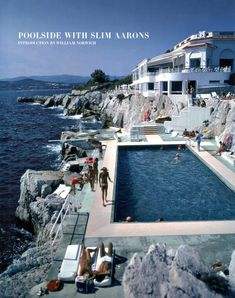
156, 275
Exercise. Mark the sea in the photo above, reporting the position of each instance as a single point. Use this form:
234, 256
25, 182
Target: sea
25, 133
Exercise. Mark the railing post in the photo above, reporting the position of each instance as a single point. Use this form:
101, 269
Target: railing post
51, 248
61, 218
69, 204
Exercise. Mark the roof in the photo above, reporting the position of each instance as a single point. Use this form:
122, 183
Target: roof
197, 45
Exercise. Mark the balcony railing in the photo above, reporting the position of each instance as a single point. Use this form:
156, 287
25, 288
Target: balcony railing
185, 70
208, 69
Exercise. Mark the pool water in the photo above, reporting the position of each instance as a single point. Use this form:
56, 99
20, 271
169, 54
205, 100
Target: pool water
152, 185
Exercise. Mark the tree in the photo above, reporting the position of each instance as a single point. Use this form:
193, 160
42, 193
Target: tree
125, 81
98, 76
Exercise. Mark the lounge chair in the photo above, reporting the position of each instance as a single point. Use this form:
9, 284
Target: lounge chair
174, 134
62, 191
69, 266
107, 281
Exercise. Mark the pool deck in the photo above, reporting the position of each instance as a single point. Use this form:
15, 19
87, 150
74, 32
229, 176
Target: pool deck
214, 240
100, 224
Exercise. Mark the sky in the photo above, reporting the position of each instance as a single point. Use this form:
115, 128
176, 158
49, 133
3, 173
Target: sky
167, 22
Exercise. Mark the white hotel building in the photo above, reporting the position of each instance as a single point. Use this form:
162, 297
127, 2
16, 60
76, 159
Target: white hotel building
202, 60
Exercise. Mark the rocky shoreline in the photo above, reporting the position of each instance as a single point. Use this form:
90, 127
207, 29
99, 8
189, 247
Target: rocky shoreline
112, 108
37, 208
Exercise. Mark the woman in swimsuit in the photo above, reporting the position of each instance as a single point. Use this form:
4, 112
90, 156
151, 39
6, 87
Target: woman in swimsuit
103, 181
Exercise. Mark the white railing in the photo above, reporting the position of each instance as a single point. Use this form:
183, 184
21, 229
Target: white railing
207, 69
56, 229
186, 70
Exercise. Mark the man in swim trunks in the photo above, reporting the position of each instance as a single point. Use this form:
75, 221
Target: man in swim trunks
103, 181
95, 169
91, 177
103, 264
85, 263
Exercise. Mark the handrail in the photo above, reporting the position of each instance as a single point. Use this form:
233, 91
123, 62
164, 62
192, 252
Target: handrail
185, 70
61, 216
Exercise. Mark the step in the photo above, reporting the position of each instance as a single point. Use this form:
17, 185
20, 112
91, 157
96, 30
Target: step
150, 130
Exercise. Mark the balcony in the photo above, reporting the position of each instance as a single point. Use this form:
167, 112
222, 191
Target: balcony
185, 70
208, 69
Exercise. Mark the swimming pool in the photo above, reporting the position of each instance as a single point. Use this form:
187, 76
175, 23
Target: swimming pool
151, 184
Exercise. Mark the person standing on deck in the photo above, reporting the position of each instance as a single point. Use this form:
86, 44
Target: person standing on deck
103, 181
198, 139
91, 177
73, 183
95, 169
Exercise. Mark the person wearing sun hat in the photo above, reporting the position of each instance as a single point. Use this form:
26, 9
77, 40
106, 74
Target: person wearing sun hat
103, 181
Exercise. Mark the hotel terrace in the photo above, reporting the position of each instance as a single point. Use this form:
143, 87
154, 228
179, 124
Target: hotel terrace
200, 61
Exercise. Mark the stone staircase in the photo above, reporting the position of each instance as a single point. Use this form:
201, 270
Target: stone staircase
138, 132
150, 130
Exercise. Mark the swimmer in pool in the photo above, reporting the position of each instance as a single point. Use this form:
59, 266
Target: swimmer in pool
177, 157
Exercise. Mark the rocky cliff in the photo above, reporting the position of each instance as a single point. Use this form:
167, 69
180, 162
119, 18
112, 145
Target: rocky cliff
129, 110
30, 269
38, 208
165, 272
222, 119
113, 108
125, 109
35, 184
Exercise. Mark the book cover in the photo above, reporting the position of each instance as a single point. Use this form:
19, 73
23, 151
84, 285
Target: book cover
111, 64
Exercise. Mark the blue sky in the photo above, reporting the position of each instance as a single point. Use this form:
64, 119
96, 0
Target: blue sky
167, 21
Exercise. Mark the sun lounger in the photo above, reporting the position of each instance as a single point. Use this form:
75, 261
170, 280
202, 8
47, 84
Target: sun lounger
107, 281
69, 266
62, 191
228, 156
174, 134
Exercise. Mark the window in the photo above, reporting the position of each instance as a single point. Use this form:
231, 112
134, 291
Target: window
165, 87
214, 81
150, 86
226, 33
226, 63
176, 87
195, 62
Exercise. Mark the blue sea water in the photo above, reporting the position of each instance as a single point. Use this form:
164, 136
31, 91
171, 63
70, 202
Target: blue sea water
24, 133
151, 185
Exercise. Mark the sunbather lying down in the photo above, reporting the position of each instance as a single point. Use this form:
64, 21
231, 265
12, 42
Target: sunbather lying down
104, 265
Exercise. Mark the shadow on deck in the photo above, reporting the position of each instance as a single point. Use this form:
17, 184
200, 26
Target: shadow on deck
74, 231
